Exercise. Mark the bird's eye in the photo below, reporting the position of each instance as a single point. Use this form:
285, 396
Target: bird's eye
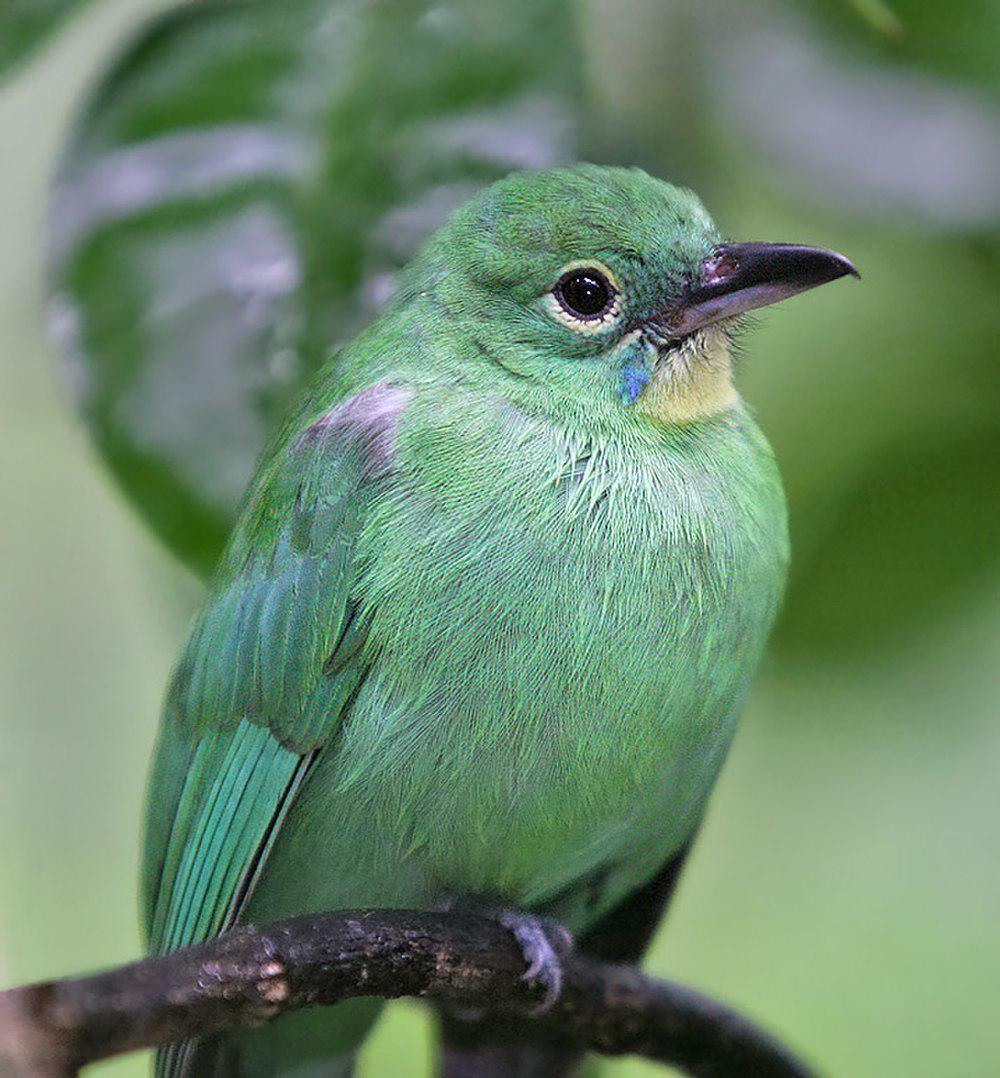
585, 293
585, 298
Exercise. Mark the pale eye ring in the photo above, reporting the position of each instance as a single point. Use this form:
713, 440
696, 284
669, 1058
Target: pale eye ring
585, 297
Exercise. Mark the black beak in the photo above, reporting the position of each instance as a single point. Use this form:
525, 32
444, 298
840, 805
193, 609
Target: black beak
738, 277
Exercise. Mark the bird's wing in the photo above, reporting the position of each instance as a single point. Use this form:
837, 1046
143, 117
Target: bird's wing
272, 660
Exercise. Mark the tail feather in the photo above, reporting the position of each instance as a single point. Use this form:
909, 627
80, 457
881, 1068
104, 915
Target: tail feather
491, 1050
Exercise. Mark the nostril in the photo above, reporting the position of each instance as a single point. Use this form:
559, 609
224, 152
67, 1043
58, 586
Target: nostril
718, 267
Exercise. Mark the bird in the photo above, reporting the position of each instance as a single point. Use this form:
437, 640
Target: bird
490, 610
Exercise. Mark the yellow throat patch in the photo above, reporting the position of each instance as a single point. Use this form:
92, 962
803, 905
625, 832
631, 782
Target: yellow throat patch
695, 382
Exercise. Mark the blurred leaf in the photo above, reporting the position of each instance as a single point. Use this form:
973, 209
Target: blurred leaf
910, 546
957, 41
902, 141
238, 196
24, 24
879, 16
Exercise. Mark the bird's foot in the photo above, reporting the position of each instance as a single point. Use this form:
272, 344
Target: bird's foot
544, 944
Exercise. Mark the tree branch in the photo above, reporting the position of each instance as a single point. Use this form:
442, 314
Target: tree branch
248, 975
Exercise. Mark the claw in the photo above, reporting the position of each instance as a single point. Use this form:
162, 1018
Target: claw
541, 942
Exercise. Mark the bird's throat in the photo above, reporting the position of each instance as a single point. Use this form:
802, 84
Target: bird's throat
694, 381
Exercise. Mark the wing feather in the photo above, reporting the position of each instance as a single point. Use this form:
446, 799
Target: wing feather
272, 660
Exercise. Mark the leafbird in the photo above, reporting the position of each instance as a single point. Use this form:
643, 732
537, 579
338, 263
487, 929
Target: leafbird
491, 607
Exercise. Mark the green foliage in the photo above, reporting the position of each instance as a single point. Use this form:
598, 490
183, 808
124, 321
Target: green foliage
879, 16
955, 40
24, 24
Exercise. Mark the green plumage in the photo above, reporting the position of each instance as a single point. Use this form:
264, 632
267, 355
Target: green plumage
486, 620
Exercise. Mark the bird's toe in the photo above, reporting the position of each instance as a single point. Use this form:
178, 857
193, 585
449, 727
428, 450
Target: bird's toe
543, 944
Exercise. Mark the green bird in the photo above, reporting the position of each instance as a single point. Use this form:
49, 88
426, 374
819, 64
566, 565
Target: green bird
493, 603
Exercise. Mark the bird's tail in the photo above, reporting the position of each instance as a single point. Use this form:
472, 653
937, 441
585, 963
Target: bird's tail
473, 1049
318, 1042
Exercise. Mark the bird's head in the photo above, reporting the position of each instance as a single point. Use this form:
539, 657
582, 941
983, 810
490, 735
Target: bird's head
605, 284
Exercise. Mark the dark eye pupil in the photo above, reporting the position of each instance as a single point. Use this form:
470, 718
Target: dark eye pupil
585, 292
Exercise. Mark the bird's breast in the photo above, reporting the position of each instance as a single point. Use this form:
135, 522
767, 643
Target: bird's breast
565, 626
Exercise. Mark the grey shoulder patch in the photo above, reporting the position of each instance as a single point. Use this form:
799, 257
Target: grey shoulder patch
369, 420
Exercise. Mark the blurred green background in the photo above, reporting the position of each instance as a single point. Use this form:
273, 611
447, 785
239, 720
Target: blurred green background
845, 890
